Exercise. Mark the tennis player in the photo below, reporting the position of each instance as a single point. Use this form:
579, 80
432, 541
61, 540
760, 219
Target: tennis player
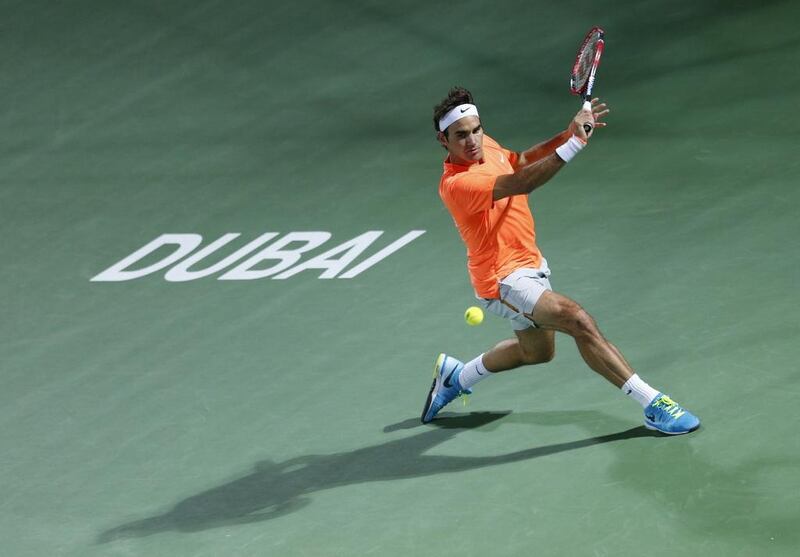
485, 187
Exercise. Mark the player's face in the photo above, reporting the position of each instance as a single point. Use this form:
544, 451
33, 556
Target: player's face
464, 140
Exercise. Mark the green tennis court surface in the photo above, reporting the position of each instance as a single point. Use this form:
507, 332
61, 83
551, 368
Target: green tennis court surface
279, 416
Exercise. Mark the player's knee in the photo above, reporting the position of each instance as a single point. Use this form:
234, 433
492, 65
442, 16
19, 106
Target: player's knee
578, 322
584, 324
539, 355
546, 355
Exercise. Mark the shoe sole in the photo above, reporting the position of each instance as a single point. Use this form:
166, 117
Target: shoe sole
652, 427
436, 377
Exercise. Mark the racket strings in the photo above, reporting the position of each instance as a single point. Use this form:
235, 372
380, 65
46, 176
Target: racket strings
585, 60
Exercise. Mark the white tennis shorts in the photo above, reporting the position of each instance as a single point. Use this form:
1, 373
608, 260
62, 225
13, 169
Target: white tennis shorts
519, 293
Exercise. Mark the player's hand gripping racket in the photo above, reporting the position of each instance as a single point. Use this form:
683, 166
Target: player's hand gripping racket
582, 79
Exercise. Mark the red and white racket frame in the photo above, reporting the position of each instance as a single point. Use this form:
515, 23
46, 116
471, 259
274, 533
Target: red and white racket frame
585, 92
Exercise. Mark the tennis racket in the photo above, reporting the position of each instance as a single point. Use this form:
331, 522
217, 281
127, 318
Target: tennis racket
582, 79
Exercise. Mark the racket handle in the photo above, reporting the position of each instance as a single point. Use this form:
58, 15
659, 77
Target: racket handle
587, 105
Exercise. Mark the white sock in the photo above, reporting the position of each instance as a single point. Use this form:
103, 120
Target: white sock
639, 390
473, 372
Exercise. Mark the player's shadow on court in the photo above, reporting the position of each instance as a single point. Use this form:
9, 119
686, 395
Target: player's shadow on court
275, 489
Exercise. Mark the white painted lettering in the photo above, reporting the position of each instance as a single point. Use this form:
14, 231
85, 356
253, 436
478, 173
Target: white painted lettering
382, 254
118, 271
286, 257
333, 266
181, 272
286, 252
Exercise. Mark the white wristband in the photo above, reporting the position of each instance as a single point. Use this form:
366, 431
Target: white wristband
571, 148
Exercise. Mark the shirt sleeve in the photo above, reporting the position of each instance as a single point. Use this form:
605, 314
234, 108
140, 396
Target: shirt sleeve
513, 158
470, 192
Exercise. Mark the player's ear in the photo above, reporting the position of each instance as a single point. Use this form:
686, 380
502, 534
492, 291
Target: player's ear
442, 139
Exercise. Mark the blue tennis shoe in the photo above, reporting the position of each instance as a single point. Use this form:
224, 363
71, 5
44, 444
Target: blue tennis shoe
445, 386
667, 416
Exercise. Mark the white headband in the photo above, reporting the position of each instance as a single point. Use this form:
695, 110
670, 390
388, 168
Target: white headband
459, 112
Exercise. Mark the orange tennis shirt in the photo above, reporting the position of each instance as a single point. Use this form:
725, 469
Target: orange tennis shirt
499, 235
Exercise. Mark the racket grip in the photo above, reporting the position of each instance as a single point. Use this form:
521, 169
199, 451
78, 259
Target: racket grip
587, 105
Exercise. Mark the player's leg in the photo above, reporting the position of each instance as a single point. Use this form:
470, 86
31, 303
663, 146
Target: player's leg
452, 377
557, 312
532, 346
520, 291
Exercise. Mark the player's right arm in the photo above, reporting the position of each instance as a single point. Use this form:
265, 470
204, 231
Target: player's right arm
528, 177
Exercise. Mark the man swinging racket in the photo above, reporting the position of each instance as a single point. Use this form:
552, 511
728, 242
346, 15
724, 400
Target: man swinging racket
485, 188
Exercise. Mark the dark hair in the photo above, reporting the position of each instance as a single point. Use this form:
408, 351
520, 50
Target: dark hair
456, 96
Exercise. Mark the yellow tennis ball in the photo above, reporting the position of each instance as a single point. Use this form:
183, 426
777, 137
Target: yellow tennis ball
473, 315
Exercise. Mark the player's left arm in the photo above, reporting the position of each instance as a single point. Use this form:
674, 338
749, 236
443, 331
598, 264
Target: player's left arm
545, 148
541, 150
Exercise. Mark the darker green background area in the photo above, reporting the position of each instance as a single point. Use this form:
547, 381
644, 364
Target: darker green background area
278, 417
